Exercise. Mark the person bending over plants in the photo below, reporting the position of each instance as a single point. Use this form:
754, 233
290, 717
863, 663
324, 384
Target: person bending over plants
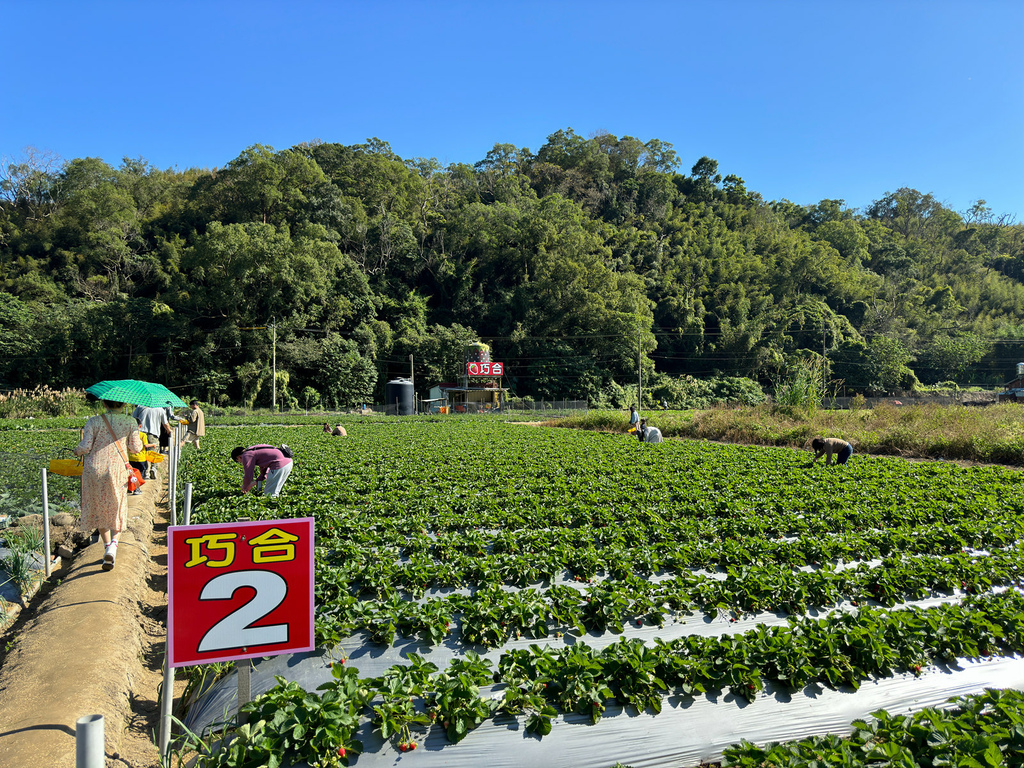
829, 447
648, 434
273, 463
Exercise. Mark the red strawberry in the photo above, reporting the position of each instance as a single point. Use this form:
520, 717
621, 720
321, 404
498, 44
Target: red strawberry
341, 751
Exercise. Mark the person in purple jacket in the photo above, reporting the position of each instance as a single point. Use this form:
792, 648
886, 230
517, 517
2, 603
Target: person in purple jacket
274, 468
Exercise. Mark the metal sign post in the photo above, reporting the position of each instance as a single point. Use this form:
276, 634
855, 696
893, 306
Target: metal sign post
244, 689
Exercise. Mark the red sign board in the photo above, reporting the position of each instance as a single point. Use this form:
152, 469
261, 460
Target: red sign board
239, 590
485, 369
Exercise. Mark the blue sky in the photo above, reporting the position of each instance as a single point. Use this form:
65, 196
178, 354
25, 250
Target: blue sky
804, 100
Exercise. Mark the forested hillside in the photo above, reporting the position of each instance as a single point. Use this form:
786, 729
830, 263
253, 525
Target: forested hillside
565, 261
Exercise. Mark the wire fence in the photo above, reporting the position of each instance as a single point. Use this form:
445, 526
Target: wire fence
547, 408
972, 399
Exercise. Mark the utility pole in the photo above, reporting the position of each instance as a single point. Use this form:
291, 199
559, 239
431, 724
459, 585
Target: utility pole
639, 370
273, 365
824, 360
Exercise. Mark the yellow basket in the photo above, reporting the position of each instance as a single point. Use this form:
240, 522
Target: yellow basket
66, 467
154, 458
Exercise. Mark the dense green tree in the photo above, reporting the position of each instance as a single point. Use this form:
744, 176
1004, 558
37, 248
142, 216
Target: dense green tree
948, 358
565, 261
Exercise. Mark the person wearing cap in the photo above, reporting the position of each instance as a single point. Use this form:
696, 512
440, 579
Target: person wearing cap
829, 447
634, 418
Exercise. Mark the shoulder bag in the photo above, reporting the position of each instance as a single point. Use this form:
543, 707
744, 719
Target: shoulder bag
135, 480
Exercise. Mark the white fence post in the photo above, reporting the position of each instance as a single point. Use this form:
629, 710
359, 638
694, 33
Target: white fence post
89, 742
46, 526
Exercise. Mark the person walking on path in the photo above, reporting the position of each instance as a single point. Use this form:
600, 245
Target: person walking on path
154, 423
140, 460
166, 429
105, 475
274, 468
829, 447
634, 419
196, 424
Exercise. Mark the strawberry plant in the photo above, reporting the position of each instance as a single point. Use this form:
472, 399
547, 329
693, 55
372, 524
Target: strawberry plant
401, 687
456, 701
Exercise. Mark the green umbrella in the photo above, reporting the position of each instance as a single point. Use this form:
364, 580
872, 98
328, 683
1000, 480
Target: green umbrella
137, 393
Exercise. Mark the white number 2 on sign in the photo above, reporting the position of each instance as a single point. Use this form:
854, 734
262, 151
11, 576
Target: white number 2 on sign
235, 630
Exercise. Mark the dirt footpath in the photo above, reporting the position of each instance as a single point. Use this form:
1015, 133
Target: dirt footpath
91, 643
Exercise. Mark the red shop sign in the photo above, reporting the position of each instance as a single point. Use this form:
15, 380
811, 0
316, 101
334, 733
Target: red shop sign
239, 590
485, 369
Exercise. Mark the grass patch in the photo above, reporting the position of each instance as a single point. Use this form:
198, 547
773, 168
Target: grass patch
955, 432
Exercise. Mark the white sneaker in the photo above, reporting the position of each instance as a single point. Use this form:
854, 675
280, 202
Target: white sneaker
108, 555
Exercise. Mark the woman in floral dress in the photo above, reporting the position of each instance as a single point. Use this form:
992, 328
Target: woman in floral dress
105, 477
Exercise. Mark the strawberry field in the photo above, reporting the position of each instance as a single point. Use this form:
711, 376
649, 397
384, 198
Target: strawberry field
514, 595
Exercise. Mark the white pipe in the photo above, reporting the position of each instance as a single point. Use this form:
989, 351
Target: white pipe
188, 503
172, 473
46, 526
89, 742
166, 705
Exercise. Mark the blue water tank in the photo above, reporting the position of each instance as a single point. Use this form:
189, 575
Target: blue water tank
399, 397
